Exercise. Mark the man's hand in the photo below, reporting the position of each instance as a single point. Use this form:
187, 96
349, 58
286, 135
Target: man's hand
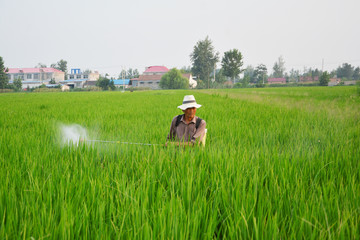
177, 144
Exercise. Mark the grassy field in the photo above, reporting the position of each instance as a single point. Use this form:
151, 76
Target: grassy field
278, 163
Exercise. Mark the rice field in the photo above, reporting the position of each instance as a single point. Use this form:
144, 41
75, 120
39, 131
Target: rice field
279, 163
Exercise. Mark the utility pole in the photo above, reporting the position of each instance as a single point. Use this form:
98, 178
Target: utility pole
123, 78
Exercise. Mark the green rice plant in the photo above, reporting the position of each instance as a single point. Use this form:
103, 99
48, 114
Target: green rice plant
278, 163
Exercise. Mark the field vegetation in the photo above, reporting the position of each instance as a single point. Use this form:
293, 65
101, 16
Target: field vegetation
278, 163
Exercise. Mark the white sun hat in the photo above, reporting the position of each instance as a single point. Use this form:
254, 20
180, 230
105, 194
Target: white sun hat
189, 102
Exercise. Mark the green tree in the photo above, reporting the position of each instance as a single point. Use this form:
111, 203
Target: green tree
243, 82
123, 74
220, 77
112, 85
315, 73
345, 71
333, 74
260, 73
4, 79
294, 75
186, 69
103, 82
324, 79
249, 73
174, 80
279, 68
130, 73
232, 63
61, 65
17, 84
204, 59
356, 75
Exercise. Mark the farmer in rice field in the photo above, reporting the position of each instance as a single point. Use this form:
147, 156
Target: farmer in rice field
187, 129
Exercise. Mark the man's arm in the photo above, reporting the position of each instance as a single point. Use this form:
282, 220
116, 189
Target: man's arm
172, 133
200, 133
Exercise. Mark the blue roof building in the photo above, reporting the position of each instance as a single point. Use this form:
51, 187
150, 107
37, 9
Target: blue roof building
120, 82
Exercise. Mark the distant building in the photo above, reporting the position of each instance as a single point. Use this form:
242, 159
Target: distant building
35, 77
349, 83
65, 88
75, 83
77, 74
192, 82
229, 83
334, 81
276, 80
78, 79
308, 79
150, 78
120, 83
152, 75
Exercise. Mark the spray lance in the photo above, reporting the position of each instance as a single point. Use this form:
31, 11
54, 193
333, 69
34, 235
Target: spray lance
102, 141
75, 134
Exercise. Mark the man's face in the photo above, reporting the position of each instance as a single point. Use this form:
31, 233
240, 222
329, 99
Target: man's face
189, 113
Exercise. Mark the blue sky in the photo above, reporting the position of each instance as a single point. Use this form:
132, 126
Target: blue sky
109, 35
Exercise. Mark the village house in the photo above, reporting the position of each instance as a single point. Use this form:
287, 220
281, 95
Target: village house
150, 78
35, 77
78, 79
65, 88
308, 79
228, 83
276, 80
152, 75
121, 83
349, 83
77, 74
334, 81
192, 81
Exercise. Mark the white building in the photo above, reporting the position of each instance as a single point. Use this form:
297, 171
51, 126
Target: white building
192, 82
34, 77
78, 79
77, 74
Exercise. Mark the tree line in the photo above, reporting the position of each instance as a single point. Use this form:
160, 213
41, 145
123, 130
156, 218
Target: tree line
204, 59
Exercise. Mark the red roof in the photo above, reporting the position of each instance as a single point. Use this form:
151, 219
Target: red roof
308, 79
156, 69
33, 70
277, 80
